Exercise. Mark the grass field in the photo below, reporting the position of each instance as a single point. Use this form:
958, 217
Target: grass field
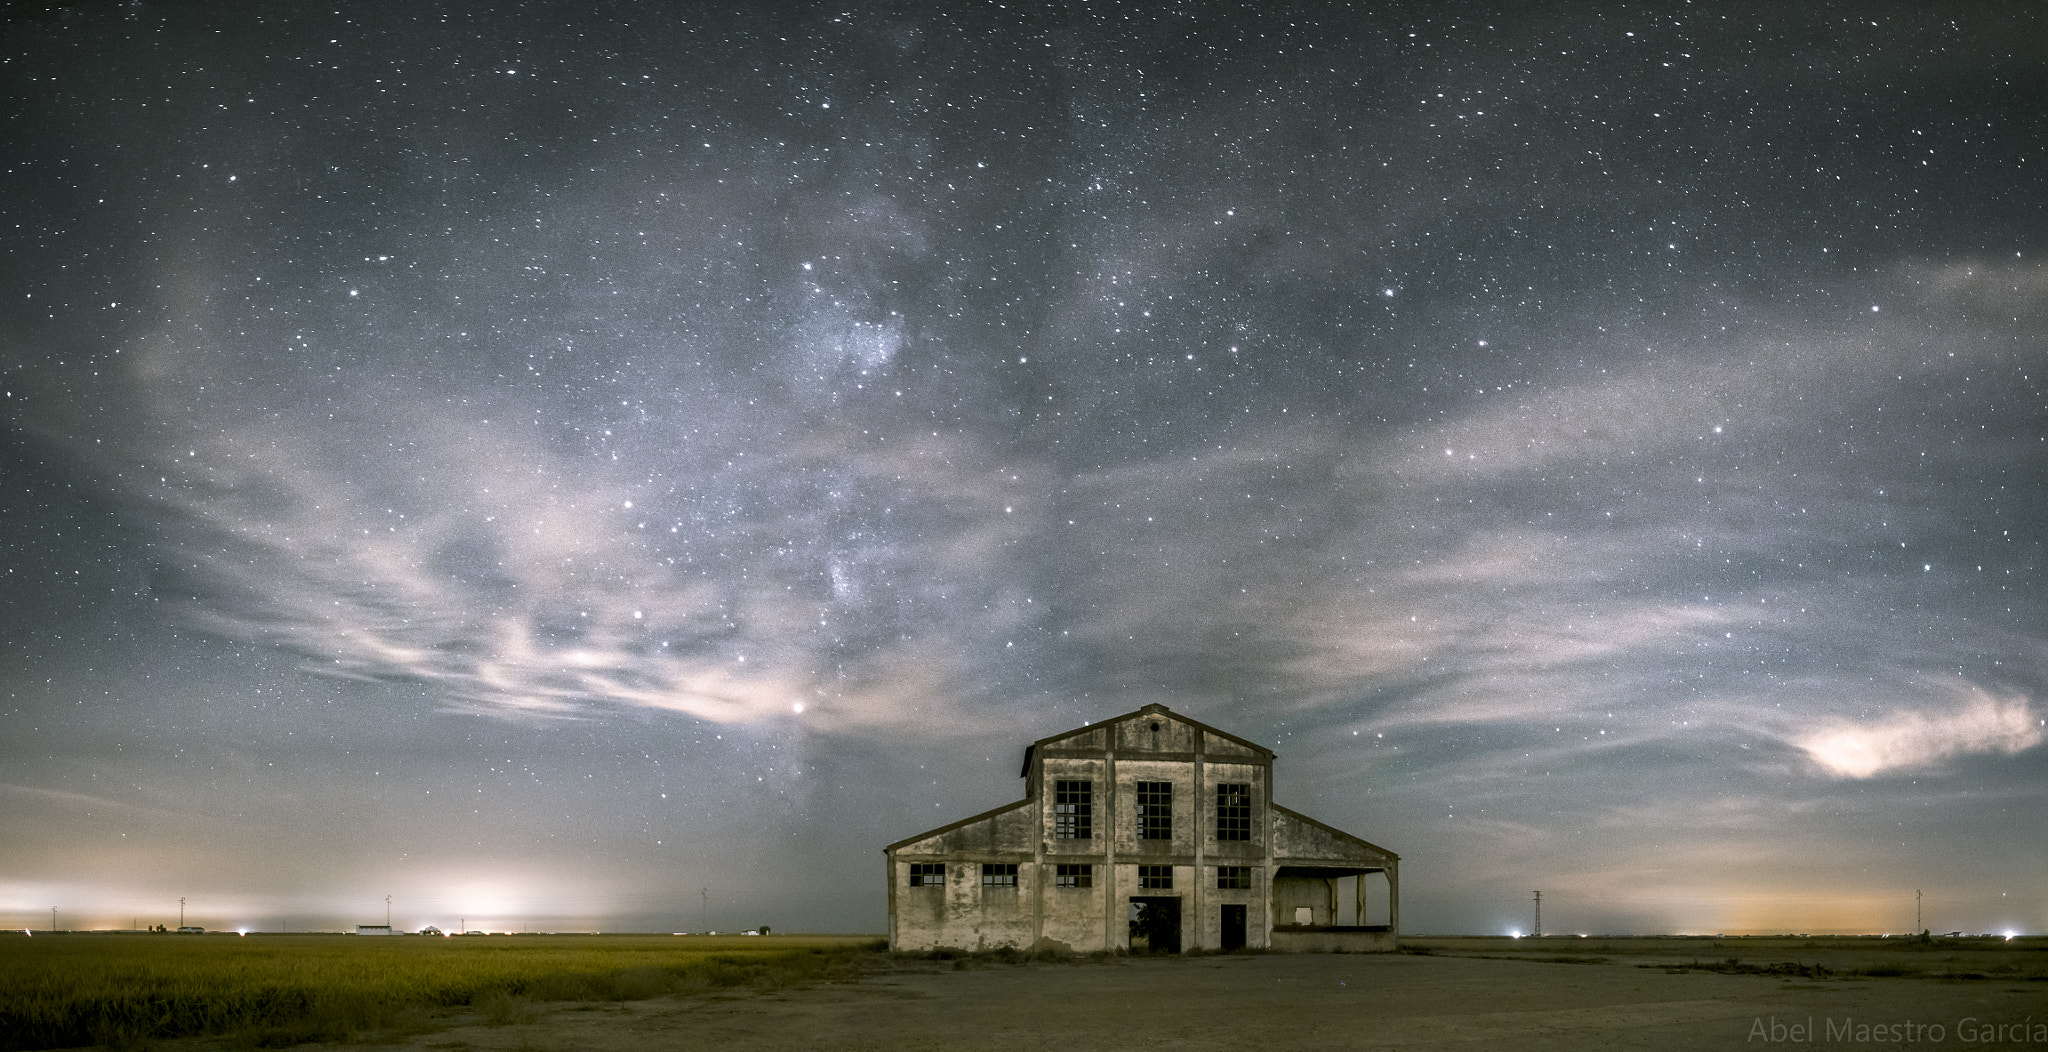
271, 991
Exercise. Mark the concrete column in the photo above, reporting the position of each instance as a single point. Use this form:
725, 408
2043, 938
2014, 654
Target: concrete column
1201, 829
1394, 899
889, 866
1038, 884
1262, 810
1114, 920
1361, 898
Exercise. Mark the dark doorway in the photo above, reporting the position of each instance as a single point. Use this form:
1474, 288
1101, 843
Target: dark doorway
1233, 928
1155, 924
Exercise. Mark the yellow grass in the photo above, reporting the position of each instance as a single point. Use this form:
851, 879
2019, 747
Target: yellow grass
279, 990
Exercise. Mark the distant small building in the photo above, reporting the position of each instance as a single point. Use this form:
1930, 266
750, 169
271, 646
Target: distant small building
374, 929
1147, 832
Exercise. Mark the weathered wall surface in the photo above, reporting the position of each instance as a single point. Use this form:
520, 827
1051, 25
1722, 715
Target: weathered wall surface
1334, 942
1137, 736
1234, 852
1075, 917
962, 913
1290, 893
1218, 746
1094, 771
1297, 837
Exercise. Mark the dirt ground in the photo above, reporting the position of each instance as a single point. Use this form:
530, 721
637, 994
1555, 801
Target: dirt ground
1386, 1001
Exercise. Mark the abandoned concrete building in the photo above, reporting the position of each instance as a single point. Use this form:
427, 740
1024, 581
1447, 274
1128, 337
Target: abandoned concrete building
1148, 832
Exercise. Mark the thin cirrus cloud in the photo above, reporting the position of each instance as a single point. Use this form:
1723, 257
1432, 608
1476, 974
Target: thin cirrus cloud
522, 581
1590, 546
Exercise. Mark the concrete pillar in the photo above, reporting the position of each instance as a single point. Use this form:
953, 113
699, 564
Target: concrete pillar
889, 865
1116, 931
1394, 898
1197, 920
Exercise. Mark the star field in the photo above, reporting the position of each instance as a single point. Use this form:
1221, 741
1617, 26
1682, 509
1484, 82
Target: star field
542, 461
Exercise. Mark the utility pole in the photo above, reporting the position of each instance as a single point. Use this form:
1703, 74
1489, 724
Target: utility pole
387, 911
1917, 926
704, 909
53, 918
1539, 914
181, 911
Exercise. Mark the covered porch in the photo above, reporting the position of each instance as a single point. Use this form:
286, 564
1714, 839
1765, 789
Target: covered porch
1332, 907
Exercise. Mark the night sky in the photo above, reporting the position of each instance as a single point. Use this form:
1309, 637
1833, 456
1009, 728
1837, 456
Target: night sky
620, 465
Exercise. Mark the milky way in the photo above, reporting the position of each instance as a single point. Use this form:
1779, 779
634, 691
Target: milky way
540, 464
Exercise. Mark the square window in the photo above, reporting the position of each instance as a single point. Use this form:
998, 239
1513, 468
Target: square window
927, 874
1155, 810
998, 874
1073, 876
1073, 810
1234, 878
1233, 811
1155, 876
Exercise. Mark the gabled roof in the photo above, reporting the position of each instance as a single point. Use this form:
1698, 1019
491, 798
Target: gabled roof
950, 826
1149, 710
1334, 831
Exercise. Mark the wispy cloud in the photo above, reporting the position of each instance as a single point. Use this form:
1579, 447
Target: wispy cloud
760, 581
1976, 723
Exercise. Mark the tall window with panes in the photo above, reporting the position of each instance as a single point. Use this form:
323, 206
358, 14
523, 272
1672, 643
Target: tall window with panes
1233, 811
1155, 810
1073, 810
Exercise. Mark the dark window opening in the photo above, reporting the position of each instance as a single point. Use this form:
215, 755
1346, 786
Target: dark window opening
923, 874
1073, 876
1233, 811
998, 874
1234, 878
1155, 877
1155, 810
1073, 810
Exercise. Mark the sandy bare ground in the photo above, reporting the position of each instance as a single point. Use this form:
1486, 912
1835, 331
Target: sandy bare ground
1287, 1002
